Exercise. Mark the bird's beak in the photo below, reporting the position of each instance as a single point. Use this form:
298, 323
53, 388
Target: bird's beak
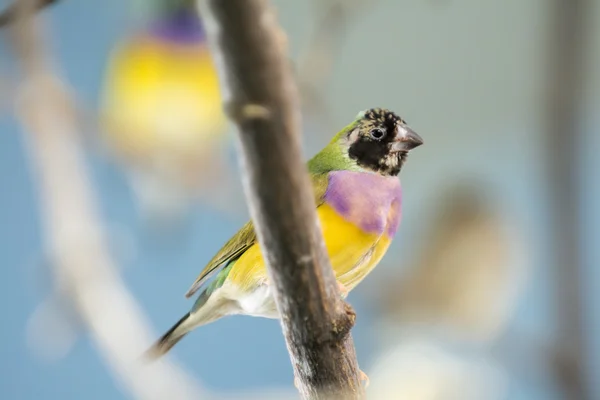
406, 139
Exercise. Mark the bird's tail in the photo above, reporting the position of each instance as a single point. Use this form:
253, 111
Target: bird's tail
168, 340
202, 313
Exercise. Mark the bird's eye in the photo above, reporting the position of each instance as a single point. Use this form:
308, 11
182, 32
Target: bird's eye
377, 133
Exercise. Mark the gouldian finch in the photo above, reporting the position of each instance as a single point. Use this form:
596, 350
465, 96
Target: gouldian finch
358, 199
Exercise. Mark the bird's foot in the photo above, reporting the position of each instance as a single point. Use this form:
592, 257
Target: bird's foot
343, 290
364, 378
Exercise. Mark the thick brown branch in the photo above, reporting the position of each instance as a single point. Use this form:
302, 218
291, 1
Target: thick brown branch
263, 104
569, 33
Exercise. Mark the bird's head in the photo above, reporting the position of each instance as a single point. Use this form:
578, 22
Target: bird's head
379, 141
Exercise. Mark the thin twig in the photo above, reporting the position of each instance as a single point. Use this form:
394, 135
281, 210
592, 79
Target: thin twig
316, 64
262, 101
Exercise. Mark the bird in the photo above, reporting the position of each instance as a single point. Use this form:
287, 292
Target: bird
358, 199
162, 117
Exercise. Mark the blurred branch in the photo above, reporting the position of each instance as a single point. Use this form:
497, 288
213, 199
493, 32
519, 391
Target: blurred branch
262, 102
9, 15
565, 85
315, 66
73, 227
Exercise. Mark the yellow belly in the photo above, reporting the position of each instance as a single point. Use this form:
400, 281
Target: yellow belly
352, 252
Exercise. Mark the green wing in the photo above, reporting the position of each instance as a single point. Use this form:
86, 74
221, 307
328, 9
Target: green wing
246, 238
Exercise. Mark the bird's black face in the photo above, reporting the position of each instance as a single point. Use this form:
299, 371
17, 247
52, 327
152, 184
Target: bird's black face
381, 140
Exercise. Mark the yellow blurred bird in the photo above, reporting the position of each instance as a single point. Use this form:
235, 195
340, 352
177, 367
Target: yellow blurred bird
161, 110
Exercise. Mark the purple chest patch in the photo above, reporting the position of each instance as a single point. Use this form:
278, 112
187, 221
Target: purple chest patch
183, 27
372, 202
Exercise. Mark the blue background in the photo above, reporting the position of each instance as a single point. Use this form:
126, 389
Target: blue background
471, 94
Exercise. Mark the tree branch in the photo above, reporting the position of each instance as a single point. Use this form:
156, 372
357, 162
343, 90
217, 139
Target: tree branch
10, 14
262, 102
566, 79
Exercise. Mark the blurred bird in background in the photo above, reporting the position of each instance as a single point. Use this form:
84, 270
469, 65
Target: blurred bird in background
439, 322
358, 200
161, 111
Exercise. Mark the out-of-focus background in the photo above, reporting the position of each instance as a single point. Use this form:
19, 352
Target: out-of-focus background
490, 290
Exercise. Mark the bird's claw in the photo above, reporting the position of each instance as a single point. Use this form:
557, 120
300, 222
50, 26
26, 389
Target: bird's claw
343, 290
364, 378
